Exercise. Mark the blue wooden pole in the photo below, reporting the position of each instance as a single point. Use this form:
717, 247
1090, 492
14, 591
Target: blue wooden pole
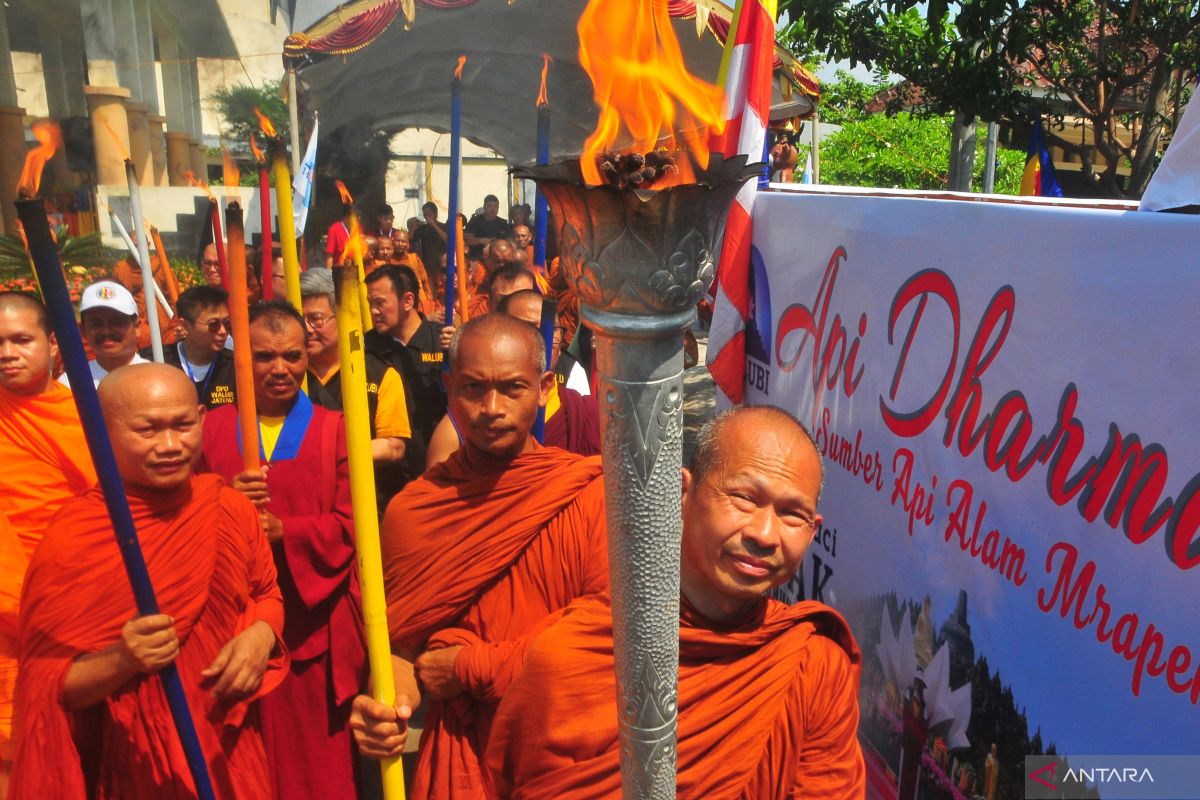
541, 206
49, 270
452, 223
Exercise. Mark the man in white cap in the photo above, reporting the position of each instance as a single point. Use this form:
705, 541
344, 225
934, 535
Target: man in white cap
109, 320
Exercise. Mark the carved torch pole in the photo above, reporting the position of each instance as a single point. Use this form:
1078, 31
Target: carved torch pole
640, 261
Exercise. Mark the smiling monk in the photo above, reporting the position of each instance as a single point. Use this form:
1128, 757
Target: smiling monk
95, 721
490, 541
768, 693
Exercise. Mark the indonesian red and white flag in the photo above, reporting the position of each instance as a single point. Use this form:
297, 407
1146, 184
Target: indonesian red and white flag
750, 53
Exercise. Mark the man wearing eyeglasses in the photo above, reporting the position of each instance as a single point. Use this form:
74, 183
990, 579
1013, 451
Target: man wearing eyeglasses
386, 398
204, 316
109, 319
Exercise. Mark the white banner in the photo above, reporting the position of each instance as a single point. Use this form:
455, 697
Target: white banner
1006, 398
302, 183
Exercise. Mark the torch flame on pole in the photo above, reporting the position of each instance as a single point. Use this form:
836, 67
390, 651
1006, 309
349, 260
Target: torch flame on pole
458, 70
264, 123
117, 140
642, 87
233, 175
543, 99
195, 182
49, 137
259, 156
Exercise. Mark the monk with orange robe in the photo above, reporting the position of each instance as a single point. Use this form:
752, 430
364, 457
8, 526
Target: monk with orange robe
490, 541
46, 462
129, 275
94, 718
768, 694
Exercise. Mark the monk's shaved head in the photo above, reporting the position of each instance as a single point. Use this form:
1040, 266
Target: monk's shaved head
154, 421
135, 385
19, 301
492, 328
712, 443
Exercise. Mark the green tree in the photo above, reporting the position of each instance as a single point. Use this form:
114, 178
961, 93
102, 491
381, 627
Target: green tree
1110, 63
236, 106
903, 151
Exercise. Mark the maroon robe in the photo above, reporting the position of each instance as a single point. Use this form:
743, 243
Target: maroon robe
305, 722
576, 426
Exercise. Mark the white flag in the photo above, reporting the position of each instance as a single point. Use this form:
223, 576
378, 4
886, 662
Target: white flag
303, 182
1176, 182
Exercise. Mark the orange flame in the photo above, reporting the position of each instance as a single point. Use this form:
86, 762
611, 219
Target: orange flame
50, 141
458, 70
254, 148
543, 99
347, 198
233, 175
641, 84
264, 123
117, 139
194, 181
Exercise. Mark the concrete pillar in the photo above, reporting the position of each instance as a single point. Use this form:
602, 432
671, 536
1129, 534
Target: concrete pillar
8, 84
197, 114
106, 105
12, 159
62, 63
199, 161
139, 142
176, 89
158, 148
143, 37
179, 158
100, 45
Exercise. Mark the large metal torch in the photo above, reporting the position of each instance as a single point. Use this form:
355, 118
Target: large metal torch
640, 261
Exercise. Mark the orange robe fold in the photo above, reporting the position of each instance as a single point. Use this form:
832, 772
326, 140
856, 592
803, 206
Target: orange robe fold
768, 707
212, 571
45, 458
491, 549
12, 556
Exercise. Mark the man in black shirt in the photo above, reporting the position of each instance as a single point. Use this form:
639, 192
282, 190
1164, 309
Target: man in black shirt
484, 228
429, 240
204, 315
413, 346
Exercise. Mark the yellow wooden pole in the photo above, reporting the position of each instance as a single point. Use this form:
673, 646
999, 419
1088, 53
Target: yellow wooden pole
287, 227
356, 245
362, 495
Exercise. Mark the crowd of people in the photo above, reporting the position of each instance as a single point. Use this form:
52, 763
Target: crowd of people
494, 545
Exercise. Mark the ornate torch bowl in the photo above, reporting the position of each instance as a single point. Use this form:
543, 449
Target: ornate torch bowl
640, 260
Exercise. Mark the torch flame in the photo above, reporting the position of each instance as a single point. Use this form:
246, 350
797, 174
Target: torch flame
254, 148
233, 175
640, 82
354, 245
191, 179
543, 99
120, 144
50, 141
264, 123
458, 70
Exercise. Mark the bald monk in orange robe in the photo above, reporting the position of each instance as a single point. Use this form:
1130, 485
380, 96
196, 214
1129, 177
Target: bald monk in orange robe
46, 462
94, 717
490, 541
42, 446
768, 694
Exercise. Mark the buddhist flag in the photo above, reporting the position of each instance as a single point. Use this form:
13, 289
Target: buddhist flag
1039, 178
747, 69
302, 183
